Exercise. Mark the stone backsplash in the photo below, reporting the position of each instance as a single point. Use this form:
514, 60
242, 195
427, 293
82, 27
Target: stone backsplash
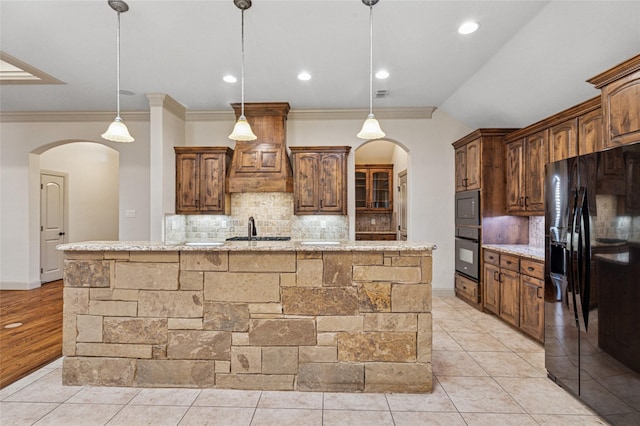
536, 231
347, 321
375, 222
273, 213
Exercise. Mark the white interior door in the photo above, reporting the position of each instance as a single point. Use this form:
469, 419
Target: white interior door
52, 226
402, 205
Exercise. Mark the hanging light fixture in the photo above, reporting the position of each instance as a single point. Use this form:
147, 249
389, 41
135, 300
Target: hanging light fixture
371, 128
117, 131
242, 130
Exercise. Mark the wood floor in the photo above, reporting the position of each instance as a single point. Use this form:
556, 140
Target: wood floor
39, 340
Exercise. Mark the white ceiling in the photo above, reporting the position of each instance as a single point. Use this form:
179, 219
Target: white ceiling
529, 59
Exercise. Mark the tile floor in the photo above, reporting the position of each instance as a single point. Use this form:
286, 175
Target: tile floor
485, 374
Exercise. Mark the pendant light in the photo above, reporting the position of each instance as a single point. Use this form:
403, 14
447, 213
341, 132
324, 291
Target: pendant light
117, 131
242, 130
371, 128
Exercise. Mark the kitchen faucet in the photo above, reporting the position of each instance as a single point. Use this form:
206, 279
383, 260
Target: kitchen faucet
252, 231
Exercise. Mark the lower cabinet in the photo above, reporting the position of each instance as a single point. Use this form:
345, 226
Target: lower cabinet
513, 289
468, 290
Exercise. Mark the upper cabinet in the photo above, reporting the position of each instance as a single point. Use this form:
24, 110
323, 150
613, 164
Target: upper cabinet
200, 180
374, 188
620, 102
468, 166
563, 140
526, 158
590, 137
320, 179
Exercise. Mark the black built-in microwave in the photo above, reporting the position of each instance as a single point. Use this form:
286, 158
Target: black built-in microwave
468, 208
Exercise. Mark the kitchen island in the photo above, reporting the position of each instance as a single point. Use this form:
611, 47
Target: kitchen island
279, 315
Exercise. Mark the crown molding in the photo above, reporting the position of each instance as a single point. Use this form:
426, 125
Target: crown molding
175, 107
69, 116
167, 102
325, 114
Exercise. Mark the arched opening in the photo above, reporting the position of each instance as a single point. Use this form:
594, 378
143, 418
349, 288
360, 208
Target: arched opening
381, 196
78, 197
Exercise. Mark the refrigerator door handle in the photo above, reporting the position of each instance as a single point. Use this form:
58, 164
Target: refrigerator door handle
571, 273
581, 286
586, 293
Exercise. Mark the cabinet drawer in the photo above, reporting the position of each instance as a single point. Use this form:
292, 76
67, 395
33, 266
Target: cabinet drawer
509, 262
491, 257
467, 289
532, 268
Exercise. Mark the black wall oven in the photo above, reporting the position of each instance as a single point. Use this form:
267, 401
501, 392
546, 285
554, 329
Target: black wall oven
467, 210
468, 251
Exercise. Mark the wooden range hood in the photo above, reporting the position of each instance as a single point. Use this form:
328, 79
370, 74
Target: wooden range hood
262, 165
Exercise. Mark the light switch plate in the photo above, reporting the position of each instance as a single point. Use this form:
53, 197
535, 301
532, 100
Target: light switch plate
129, 213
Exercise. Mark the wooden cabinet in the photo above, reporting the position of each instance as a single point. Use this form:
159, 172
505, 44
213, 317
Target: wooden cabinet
467, 289
532, 298
374, 188
590, 136
563, 140
514, 291
468, 166
526, 158
375, 236
320, 179
200, 180
502, 285
620, 95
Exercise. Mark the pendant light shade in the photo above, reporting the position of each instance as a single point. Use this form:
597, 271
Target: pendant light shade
371, 128
242, 130
117, 131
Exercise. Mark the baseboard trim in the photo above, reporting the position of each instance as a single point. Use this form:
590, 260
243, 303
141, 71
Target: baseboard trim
15, 285
443, 292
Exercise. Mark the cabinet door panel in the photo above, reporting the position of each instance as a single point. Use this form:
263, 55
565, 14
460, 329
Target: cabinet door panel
491, 288
510, 297
307, 181
473, 165
563, 141
536, 160
331, 183
187, 188
590, 135
623, 104
211, 175
532, 306
515, 176
461, 168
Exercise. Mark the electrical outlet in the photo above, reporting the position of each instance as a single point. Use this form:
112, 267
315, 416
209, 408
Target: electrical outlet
223, 224
373, 221
129, 213
323, 224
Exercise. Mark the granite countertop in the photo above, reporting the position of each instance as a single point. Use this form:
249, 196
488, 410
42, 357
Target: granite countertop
522, 250
618, 258
376, 232
312, 245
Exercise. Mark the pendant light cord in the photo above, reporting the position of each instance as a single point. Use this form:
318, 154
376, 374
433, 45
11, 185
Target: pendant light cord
118, 67
371, 60
242, 70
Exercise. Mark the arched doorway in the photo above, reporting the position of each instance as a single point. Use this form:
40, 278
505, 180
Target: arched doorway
381, 197
79, 194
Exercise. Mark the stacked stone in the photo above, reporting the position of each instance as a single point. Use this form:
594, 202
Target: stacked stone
349, 321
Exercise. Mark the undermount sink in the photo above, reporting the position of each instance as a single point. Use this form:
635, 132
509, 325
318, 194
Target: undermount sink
259, 239
319, 243
205, 243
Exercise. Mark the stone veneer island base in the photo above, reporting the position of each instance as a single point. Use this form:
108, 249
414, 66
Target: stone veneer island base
353, 317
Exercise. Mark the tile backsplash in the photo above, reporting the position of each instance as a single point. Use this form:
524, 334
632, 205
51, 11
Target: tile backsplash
273, 213
381, 222
536, 231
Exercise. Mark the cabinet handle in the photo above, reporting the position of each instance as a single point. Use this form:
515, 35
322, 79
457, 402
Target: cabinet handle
508, 262
538, 292
521, 201
530, 268
496, 276
500, 277
526, 200
320, 203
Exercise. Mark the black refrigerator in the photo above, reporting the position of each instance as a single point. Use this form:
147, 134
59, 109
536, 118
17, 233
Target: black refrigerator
592, 280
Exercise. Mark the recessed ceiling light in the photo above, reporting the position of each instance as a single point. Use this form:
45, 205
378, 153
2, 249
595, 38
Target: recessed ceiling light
468, 27
229, 78
382, 74
304, 76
